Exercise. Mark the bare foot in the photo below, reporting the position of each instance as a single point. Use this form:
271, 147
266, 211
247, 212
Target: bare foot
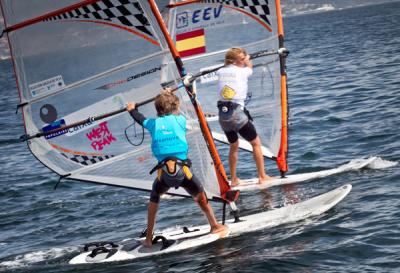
223, 230
147, 243
264, 178
236, 182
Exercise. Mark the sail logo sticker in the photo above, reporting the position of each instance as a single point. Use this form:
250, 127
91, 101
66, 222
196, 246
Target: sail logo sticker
209, 77
47, 86
199, 16
100, 136
76, 129
130, 78
53, 126
182, 20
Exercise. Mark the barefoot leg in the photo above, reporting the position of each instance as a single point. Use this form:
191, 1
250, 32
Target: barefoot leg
259, 159
233, 158
208, 211
151, 218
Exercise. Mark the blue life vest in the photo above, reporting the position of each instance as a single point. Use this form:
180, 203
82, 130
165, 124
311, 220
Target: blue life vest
168, 135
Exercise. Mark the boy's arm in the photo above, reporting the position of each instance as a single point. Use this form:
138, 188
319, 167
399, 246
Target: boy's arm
248, 62
136, 115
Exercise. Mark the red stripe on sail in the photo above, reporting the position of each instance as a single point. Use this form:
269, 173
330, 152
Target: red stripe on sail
193, 51
191, 34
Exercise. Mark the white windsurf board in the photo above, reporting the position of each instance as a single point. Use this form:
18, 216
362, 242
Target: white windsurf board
178, 240
252, 183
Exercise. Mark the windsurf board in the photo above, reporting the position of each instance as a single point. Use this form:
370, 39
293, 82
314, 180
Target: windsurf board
181, 239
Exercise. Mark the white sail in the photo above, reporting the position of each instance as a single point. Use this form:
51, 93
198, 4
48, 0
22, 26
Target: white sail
204, 30
78, 59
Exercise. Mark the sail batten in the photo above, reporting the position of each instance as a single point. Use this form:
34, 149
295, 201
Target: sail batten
98, 76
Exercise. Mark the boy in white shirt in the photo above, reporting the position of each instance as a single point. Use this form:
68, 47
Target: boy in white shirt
233, 116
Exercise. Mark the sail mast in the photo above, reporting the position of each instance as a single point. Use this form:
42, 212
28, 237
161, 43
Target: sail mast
219, 168
283, 150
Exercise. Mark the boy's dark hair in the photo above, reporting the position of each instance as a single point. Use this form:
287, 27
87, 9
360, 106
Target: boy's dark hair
166, 103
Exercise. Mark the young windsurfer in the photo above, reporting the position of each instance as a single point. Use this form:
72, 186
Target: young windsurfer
169, 146
233, 116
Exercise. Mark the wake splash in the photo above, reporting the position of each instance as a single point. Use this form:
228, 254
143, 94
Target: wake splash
380, 163
28, 259
372, 162
299, 9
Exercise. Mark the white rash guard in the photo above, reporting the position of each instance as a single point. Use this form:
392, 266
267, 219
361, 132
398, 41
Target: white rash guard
232, 83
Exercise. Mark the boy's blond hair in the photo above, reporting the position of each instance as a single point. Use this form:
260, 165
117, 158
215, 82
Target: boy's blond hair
232, 55
166, 103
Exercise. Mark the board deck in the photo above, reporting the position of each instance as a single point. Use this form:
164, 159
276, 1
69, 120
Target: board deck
180, 239
252, 183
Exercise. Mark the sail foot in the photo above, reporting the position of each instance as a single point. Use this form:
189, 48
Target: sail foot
231, 195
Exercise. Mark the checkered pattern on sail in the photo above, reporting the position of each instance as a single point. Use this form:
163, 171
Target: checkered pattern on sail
257, 7
86, 159
126, 12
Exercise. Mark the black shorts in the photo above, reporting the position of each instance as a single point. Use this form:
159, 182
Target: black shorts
192, 186
248, 132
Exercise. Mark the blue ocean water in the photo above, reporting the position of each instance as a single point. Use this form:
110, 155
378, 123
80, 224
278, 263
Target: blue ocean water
343, 78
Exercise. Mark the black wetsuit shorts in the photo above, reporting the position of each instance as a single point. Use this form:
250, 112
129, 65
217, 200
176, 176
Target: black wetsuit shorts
235, 119
248, 132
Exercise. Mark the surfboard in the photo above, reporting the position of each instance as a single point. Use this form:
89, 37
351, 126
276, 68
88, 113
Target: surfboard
185, 238
252, 183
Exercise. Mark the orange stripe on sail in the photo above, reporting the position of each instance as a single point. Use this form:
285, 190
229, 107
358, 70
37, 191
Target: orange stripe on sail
137, 33
61, 149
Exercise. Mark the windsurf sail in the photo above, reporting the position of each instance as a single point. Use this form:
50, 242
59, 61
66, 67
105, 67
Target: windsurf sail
79, 59
204, 30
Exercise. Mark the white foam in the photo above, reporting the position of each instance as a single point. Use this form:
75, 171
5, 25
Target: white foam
373, 162
35, 257
325, 7
380, 163
299, 9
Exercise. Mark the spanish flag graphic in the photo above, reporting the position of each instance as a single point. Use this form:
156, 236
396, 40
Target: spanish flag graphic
191, 43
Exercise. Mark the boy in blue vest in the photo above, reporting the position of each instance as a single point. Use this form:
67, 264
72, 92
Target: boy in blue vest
169, 146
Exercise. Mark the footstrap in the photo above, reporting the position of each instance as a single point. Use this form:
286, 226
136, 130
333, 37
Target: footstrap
102, 249
165, 242
93, 245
